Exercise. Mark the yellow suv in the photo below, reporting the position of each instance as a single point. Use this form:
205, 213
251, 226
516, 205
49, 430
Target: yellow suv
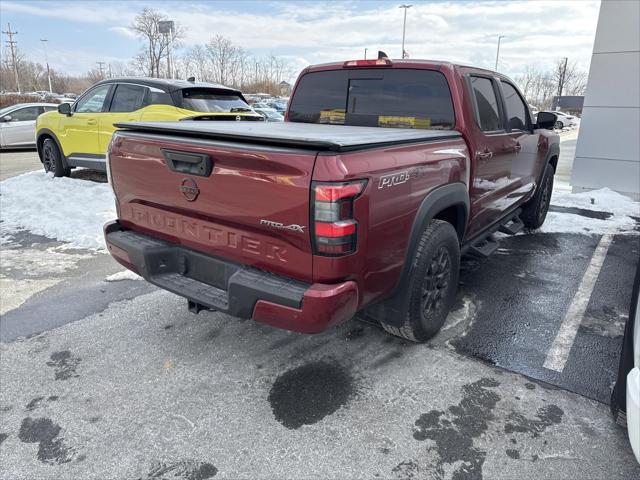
78, 135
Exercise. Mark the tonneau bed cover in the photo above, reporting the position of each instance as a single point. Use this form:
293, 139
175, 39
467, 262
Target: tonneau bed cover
338, 138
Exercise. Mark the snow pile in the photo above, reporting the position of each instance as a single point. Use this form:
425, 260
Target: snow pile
621, 208
603, 200
123, 275
67, 209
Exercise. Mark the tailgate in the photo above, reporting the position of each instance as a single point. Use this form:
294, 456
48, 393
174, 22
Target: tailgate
244, 203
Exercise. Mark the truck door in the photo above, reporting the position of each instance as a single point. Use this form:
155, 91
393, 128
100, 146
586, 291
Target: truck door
491, 144
522, 143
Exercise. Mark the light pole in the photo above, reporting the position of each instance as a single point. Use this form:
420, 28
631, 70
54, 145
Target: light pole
404, 25
365, 53
500, 37
46, 59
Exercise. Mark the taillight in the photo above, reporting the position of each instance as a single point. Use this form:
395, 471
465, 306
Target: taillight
335, 231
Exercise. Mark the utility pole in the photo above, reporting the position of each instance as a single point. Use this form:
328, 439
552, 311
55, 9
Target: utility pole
500, 37
46, 59
12, 46
100, 64
365, 53
404, 26
562, 76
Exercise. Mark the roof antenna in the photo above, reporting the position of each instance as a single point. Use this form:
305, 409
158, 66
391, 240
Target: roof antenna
191, 79
381, 55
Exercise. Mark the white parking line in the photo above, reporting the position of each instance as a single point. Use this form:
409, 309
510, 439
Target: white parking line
559, 351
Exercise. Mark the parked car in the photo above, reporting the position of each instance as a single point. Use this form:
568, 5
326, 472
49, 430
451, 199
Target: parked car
270, 114
625, 399
18, 124
565, 120
302, 224
78, 135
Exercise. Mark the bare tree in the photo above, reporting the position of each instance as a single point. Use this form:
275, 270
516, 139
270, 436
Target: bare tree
539, 87
146, 26
572, 80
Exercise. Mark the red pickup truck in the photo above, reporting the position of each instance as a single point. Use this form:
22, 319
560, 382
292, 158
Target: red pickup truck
383, 175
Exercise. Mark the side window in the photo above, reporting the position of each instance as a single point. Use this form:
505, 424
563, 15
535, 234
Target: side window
128, 98
25, 114
516, 109
486, 103
92, 102
50, 109
158, 97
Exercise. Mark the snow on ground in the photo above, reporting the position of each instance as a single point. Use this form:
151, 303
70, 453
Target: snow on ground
66, 209
74, 210
123, 275
621, 208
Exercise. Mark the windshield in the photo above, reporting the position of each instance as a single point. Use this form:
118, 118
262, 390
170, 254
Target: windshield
209, 100
392, 98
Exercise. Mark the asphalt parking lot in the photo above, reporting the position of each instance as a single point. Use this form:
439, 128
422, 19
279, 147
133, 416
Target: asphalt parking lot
115, 379
14, 162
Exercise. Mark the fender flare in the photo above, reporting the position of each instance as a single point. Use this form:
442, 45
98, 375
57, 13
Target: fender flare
49, 133
446, 196
554, 150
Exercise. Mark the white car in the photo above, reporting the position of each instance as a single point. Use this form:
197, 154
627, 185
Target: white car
625, 399
18, 124
269, 114
565, 120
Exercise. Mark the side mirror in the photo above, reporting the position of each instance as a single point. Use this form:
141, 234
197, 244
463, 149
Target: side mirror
64, 109
546, 120
6, 118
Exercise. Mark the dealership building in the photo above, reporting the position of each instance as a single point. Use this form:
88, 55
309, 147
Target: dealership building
608, 148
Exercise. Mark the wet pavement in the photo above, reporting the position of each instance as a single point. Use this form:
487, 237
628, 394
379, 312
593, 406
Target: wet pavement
145, 390
521, 295
110, 380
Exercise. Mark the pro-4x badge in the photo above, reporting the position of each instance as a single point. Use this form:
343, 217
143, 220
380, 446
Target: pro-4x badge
294, 227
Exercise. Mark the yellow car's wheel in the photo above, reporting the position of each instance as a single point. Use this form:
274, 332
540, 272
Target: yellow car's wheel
52, 159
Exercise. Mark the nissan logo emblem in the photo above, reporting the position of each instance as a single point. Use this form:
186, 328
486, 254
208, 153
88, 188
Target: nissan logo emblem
189, 189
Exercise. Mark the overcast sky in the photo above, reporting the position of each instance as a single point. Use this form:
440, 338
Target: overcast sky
537, 32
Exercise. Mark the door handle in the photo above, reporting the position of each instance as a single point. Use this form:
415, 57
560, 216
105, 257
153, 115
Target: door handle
485, 155
92, 121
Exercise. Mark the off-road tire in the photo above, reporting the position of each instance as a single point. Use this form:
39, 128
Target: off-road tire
430, 278
52, 159
535, 210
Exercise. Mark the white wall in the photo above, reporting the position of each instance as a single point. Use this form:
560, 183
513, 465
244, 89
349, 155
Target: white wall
608, 149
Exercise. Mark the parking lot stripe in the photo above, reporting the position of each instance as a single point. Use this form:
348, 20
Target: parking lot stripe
561, 347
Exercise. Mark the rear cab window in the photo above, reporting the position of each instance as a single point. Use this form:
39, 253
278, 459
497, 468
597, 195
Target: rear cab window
374, 97
212, 100
486, 104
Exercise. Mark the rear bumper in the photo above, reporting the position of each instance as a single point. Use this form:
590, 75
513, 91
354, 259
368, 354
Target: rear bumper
212, 283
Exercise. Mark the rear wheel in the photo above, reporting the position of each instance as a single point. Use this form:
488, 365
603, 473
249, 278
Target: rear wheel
433, 283
535, 210
558, 125
52, 159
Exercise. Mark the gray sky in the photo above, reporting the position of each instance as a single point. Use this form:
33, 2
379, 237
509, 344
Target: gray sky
537, 32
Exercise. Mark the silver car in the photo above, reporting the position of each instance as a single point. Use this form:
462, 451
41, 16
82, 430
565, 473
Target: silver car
18, 124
